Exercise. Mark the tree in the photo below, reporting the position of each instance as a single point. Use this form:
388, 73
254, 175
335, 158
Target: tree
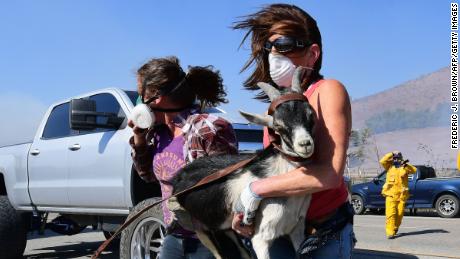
360, 143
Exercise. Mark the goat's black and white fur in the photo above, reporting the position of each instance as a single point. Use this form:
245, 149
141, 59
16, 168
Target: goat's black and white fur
211, 205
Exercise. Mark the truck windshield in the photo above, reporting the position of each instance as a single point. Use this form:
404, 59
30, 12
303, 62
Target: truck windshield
132, 96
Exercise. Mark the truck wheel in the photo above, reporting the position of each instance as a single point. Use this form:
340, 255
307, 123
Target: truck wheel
13, 230
144, 236
358, 204
447, 206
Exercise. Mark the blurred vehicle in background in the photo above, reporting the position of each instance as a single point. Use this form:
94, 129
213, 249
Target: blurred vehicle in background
426, 191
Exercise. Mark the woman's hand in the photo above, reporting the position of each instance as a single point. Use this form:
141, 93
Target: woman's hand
240, 228
139, 134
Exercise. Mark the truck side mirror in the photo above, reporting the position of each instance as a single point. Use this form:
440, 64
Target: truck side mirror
83, 116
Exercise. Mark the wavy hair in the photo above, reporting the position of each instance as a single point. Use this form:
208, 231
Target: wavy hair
281, 19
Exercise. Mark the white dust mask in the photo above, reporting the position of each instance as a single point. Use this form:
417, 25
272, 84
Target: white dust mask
282, 69
142, 116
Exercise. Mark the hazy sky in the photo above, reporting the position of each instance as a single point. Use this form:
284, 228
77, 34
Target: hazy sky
51, 50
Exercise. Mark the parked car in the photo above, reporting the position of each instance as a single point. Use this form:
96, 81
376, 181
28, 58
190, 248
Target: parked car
79, 166
425, 189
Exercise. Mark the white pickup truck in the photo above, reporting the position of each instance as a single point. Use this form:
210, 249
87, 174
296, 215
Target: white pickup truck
79, 166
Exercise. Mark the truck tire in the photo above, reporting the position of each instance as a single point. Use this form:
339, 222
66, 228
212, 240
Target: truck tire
358, 204
13, 230
144, 236
447, 206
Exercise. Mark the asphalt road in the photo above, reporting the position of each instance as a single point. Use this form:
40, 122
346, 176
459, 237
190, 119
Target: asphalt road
420, 237
53, 245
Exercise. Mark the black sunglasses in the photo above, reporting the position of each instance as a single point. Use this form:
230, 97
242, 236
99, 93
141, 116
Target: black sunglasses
285, 44
151, 99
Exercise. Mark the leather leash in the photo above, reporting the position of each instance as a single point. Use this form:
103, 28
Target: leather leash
208, 179
284, 98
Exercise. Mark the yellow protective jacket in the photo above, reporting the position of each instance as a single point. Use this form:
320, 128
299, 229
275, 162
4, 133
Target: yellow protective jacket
397, 181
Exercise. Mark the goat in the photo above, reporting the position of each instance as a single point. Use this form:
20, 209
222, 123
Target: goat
211, 205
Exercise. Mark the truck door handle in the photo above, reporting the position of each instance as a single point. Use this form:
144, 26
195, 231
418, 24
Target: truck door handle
35, 152
75, 147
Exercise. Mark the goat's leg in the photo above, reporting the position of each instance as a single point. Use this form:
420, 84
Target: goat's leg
261, 246
297, 234
206, 240
243, 252
269, 226
224, 244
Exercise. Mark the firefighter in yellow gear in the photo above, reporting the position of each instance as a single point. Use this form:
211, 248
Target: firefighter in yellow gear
396, 189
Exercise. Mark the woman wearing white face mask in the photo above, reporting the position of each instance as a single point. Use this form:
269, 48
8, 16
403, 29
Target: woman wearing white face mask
284, 37
281, 67
170, 131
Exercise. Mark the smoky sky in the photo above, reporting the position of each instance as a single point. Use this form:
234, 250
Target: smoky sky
20, 116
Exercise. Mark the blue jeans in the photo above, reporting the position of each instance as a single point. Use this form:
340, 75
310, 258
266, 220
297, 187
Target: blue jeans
339, 248
174, 247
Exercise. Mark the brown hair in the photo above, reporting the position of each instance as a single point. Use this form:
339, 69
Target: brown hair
277, 19
202, 83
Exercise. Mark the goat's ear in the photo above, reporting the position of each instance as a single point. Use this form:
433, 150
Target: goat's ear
264, 120
269, 90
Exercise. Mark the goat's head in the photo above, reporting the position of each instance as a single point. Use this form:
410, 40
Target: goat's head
291, 118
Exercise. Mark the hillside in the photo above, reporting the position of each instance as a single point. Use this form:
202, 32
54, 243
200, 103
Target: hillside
427, 95
412, 117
